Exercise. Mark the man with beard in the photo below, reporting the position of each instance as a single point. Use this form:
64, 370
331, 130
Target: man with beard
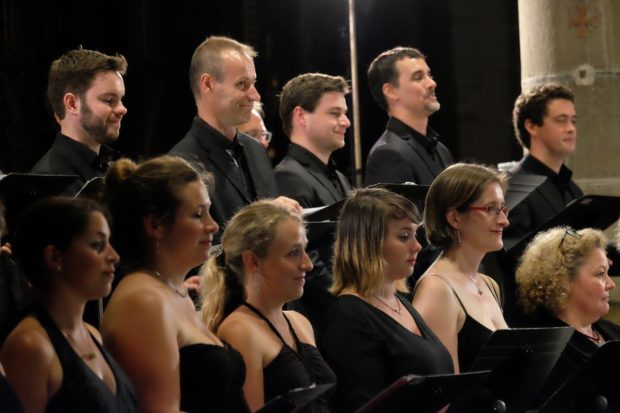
408, 151
85, 91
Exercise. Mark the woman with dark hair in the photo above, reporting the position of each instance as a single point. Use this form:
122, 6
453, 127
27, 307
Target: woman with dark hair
163, 230
8, 399
261, 268
465, 216
376, 336
53, 359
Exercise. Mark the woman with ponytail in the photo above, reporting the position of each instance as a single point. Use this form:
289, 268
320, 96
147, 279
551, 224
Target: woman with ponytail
262, 266
161, 215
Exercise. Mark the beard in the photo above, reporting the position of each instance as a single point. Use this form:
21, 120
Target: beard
97, 127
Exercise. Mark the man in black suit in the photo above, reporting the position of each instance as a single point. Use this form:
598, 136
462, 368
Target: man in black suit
544, 120
222, 79
408, 151
85, 91
313, 110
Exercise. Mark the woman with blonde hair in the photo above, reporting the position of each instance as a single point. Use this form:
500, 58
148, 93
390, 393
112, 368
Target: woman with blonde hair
163, 230
465, 216
262, 267
563, 281
375, 336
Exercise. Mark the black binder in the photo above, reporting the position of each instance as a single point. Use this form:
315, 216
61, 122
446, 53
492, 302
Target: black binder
520, 360
93, 189
414, 193
295, 399
520, 186
18, 191
594, 388
423, 394
589, 211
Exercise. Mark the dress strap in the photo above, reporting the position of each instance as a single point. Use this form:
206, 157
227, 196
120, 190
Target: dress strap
271, 326
445, 279
493, 292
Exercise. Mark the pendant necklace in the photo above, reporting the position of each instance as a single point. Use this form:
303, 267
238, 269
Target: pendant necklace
396, 310
156, 274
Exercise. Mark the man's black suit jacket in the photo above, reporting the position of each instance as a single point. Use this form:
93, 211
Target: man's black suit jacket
68, 157
398, 156
229, 193
300, 178
540, 205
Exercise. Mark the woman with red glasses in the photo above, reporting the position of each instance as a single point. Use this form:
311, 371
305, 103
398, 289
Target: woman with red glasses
465, 216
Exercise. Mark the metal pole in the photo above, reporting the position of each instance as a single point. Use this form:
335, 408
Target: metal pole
357, 141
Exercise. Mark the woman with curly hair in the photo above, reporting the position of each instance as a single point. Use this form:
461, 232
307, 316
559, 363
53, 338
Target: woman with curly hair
563, 280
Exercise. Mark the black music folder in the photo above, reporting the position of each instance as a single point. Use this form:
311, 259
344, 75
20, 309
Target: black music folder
18, 191
520, 186
414, 193
520, 361
93, 189
595, 386
423, 394
295, 399
589, 211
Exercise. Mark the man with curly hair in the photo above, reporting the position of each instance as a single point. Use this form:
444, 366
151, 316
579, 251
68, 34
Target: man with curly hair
545, 124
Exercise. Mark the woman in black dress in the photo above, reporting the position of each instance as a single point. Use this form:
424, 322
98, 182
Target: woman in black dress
8, 399
464, 216
261, 268
163, 230
563, 281
375, 335
53, 359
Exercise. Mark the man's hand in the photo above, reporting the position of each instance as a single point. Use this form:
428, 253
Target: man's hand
290, 203
6, 249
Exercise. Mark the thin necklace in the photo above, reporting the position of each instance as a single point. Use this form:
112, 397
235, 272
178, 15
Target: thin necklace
396, 310
181, 293
595, 337
476, 284
86, 356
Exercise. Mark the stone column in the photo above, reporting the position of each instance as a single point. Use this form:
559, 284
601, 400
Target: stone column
577, 43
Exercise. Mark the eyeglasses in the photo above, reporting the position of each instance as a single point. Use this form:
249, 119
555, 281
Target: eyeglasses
258, 135
572, 233
491, 210
267, 136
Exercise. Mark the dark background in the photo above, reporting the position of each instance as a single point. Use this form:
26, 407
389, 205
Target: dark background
472, 48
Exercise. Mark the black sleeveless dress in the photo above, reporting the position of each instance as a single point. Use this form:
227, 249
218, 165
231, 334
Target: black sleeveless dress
473, 335
291, 369
81, 390
212, 379
8, 399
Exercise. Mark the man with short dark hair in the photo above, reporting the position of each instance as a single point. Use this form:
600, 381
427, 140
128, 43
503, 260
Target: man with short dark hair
222, 78
544, 120
408, 151
313, 110
85, 91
